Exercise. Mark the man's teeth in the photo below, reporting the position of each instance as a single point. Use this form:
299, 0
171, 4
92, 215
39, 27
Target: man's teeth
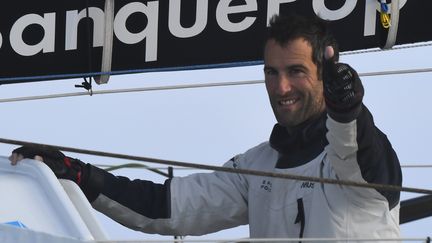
287, 102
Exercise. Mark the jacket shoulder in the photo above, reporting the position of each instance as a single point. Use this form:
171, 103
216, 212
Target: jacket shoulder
258, 157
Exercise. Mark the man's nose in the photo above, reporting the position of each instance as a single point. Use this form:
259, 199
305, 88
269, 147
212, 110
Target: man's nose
284, 84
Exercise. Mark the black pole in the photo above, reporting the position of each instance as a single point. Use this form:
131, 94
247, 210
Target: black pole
170, 176
415, 209
170, 172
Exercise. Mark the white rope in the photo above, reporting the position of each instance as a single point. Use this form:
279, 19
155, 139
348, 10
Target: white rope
144, 167
190, 86
417, 166
396, 72
392, 33
116, 91
108, 43
401, 47
273, 240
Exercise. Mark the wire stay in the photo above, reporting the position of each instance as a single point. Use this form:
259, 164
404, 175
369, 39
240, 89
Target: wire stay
191, 86
383, 187
110, 167
273, 240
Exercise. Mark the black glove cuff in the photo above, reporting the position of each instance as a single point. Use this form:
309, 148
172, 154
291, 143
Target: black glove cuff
345, 116
92, 181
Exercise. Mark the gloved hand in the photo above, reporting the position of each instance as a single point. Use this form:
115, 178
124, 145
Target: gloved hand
343, 90
63, 167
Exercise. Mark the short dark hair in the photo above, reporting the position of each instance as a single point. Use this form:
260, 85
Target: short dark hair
285, 28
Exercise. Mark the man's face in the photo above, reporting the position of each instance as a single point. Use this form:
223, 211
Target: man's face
291, 78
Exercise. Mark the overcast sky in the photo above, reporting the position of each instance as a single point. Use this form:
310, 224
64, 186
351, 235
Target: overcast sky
211, 125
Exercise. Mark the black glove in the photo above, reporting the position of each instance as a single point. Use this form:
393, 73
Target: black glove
343, 91
63, 167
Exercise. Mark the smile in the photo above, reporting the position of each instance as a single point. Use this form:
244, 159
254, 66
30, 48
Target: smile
287, 102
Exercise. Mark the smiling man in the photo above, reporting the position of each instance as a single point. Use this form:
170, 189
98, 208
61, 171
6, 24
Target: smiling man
294, 89
323, 130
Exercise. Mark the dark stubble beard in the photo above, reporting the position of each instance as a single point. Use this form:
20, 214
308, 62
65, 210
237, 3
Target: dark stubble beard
312, 109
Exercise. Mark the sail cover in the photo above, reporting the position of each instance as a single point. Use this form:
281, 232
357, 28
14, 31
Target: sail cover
57, 39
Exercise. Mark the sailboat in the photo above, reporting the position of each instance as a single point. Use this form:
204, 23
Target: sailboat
55, 41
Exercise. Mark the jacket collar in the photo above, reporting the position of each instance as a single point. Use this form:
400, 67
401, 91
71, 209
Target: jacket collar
300, 144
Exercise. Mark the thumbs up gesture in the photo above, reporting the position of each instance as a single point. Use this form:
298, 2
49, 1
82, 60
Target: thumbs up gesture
343, 90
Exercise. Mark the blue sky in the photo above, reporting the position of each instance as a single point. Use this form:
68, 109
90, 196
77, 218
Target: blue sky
211, 125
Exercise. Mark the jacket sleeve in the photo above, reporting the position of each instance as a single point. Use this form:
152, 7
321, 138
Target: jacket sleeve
193, 205
359, 151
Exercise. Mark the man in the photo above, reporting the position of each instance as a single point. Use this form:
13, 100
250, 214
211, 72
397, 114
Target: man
323, 130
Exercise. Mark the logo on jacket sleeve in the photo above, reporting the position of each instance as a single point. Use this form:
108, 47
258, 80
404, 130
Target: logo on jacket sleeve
307, 184
266, 185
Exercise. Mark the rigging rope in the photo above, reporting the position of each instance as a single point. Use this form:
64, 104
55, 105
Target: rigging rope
271, 240
226, 169
190, 86
135, 166
142, 166
394, 48
417, 166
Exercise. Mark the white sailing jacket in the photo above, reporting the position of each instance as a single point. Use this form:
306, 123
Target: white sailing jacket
273, 207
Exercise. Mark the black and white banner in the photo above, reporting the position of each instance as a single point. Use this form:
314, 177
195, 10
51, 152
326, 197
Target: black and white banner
50, 39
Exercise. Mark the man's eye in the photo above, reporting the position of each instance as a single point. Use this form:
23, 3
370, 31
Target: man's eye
297, 72
270, 72
294, 71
